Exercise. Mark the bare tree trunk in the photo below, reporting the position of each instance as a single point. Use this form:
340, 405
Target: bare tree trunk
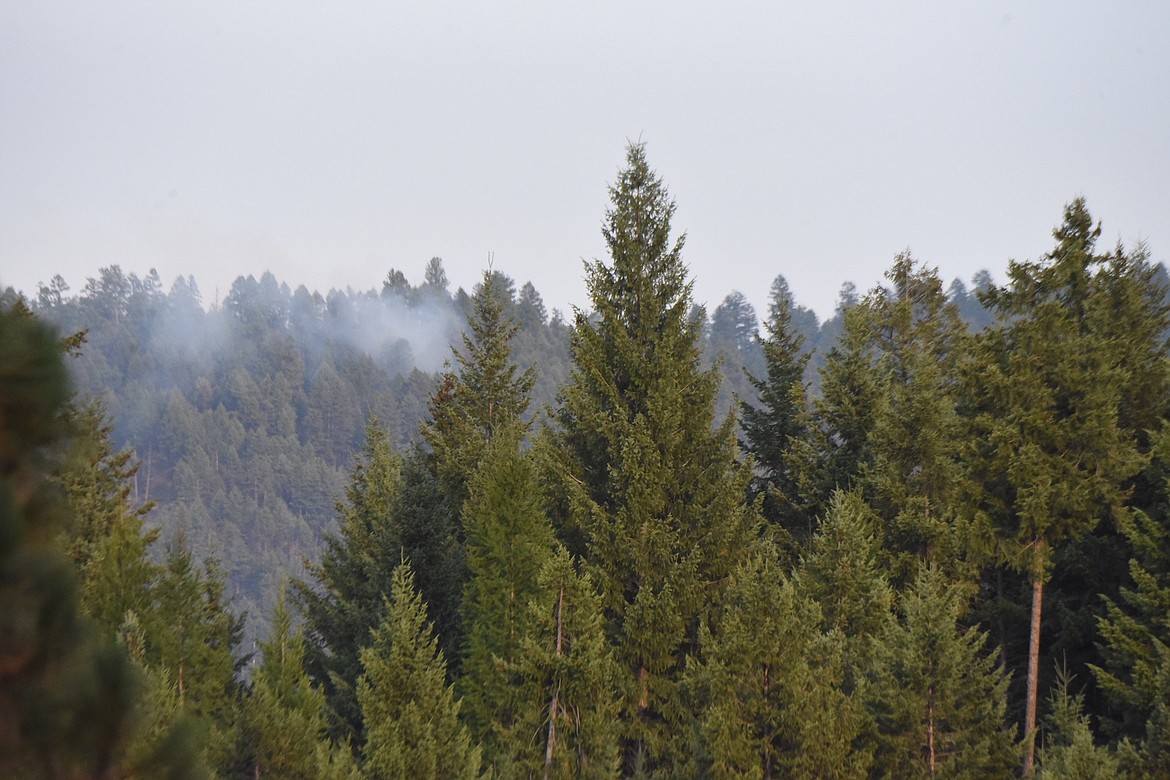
1033, 662
930, 730
550, 745
767, 745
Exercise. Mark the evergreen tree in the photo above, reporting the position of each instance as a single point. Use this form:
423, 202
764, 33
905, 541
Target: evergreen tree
940, 699
1069, 751
284, 716
509, 540
735, 344
773, 685
411, 714
777, 432
67, 697
913, 478
195, 637
346, 599
646, 488
564, 725
108, 543
845, 573
486, 394
1135, 629
1051, 454
851, 393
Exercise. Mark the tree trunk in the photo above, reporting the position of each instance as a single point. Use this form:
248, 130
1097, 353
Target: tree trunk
551, 743
1033, 661
930, 764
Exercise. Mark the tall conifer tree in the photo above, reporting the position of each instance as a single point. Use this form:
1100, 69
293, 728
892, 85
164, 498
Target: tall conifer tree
346, 601
777, 429
651, 492
509, 540
1052, 455
483, 394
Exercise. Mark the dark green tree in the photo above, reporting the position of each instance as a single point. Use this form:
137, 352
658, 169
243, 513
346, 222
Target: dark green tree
483, 394
68, 698
1135, 629
107, 543
194, 636
777, 429
913, 475
773, 685
645, 488
939, 697
1070, 752
284, 731
1050, 451
345, 600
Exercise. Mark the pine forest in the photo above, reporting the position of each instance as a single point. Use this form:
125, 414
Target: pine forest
417, 532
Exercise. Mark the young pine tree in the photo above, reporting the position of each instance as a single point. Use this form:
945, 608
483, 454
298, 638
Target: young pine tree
939, 697
108, 543
773, 685
648, 491
284, 719
509, 540
194, 637
413, 730
565, 721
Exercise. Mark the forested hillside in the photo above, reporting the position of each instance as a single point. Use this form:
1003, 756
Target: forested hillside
926, 537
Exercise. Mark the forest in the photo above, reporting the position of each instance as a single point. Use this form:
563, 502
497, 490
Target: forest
411, 532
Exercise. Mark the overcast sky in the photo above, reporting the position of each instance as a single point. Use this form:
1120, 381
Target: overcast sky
331, 141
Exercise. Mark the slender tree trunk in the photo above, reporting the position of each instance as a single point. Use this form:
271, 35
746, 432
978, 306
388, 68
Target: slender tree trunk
930, 730
1033, 662
550, 745
768, 744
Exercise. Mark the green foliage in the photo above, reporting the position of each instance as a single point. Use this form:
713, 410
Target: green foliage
1047, 446
284, 716
845, 572
851, 392
487, 395
411, 714
346, 599
1053, 454
1069, 751
68, 698
108, 543
1135, 629
778, 432
564, 723
773, 685
509, 540
195, 637
939, 697
639, 475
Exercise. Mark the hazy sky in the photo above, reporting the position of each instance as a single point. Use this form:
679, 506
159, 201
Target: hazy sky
331, 141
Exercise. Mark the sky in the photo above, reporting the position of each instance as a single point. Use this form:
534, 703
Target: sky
331, 142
